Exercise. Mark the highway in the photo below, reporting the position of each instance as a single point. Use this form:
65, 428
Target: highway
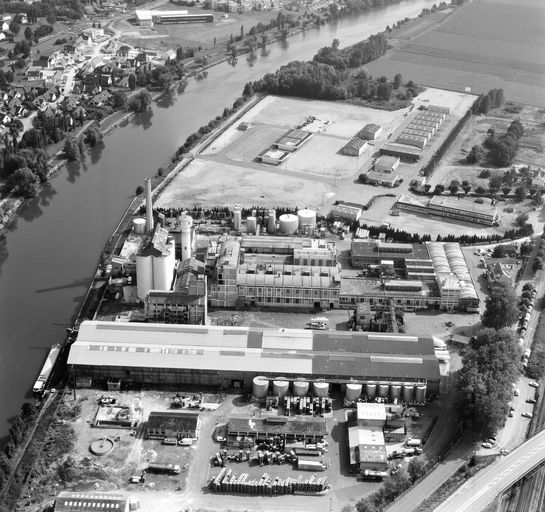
478, 492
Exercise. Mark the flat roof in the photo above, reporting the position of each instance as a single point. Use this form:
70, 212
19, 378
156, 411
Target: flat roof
461, 203
386, 177
277, 425
388, 160
256, 350
371, 411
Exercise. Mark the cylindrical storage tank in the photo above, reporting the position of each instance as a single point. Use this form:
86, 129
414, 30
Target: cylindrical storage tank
271, 223
307, 218
408, 392
186, 223
320, 389
421, 393
353, 392
260, 387
395, 391
370, 389
251, 225
139, 226
144, 275
237, 217
280, 388
288, 224
300, 388
383, 390
163, 269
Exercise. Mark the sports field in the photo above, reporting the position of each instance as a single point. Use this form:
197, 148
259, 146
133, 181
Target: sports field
483, 45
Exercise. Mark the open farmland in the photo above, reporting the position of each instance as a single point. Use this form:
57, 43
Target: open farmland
483, 45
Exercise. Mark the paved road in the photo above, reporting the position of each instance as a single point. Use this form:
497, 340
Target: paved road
478, 492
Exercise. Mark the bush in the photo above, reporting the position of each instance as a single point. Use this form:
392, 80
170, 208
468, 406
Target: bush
139, 190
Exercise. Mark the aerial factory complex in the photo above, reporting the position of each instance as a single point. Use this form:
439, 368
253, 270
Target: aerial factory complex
290, 314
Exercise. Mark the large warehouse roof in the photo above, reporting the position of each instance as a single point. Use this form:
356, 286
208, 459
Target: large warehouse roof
281, 351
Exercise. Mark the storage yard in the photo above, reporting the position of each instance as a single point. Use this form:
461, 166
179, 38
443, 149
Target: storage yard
316, 174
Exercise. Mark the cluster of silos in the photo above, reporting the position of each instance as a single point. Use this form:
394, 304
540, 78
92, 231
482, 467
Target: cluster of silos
406, 392
271, 222
281, 388
288, 224
155, 272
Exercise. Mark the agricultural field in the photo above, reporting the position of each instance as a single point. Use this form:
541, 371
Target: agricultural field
482, 45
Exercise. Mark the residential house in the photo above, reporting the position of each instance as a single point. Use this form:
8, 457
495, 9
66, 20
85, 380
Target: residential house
101, 99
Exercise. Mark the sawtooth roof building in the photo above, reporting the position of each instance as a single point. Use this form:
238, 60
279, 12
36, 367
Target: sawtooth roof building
233, 356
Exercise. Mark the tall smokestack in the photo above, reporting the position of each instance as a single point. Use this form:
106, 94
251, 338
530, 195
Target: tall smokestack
149, 206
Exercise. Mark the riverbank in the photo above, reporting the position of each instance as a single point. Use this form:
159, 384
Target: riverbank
11, 206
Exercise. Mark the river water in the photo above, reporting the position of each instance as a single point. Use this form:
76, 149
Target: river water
50, 252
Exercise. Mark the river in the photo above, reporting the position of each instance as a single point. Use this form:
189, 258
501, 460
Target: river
50, 252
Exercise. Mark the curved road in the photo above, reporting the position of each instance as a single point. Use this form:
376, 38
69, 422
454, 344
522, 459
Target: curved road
478, 492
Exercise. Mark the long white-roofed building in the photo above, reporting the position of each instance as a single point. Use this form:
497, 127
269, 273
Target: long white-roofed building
234, 356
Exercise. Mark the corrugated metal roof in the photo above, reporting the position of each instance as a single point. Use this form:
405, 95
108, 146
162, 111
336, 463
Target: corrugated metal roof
295, 351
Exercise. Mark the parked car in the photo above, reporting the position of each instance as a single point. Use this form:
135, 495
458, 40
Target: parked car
531, 401
516, 392
511, 411
534, 384
486, 445
527, 415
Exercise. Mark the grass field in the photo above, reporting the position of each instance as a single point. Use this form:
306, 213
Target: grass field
483, 45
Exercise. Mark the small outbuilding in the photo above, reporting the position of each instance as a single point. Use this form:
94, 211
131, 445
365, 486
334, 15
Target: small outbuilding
354, 147
179, 425
370, 132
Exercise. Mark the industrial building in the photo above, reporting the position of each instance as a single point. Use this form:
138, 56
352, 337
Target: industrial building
273, 156
387, 164
367, 449
244, 432
383, 179
433, 275
407, 153
346, 212
370, 132
292, 140
149, 18
354, 147
92, 501
455, 208
276, 272
177, 425
186, 303
378, 364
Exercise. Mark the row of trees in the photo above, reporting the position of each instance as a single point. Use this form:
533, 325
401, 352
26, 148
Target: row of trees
17, 435
353, 56
492, 99
504, 148
485, 382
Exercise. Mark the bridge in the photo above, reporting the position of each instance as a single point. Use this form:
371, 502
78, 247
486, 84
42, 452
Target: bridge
478, 492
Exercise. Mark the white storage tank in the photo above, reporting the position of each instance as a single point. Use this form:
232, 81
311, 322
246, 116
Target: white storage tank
408, 392
280, 388
163, 269
144, 275
288, 224
300, 388
237, 217
383, 390
421, 393
353, 392
271, 223
395, 391
370, 389
139, 226
260, 387
251, 225
307, 218
320, 389
186, 225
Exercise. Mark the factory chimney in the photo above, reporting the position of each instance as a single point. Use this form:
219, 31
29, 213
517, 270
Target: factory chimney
149, 206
